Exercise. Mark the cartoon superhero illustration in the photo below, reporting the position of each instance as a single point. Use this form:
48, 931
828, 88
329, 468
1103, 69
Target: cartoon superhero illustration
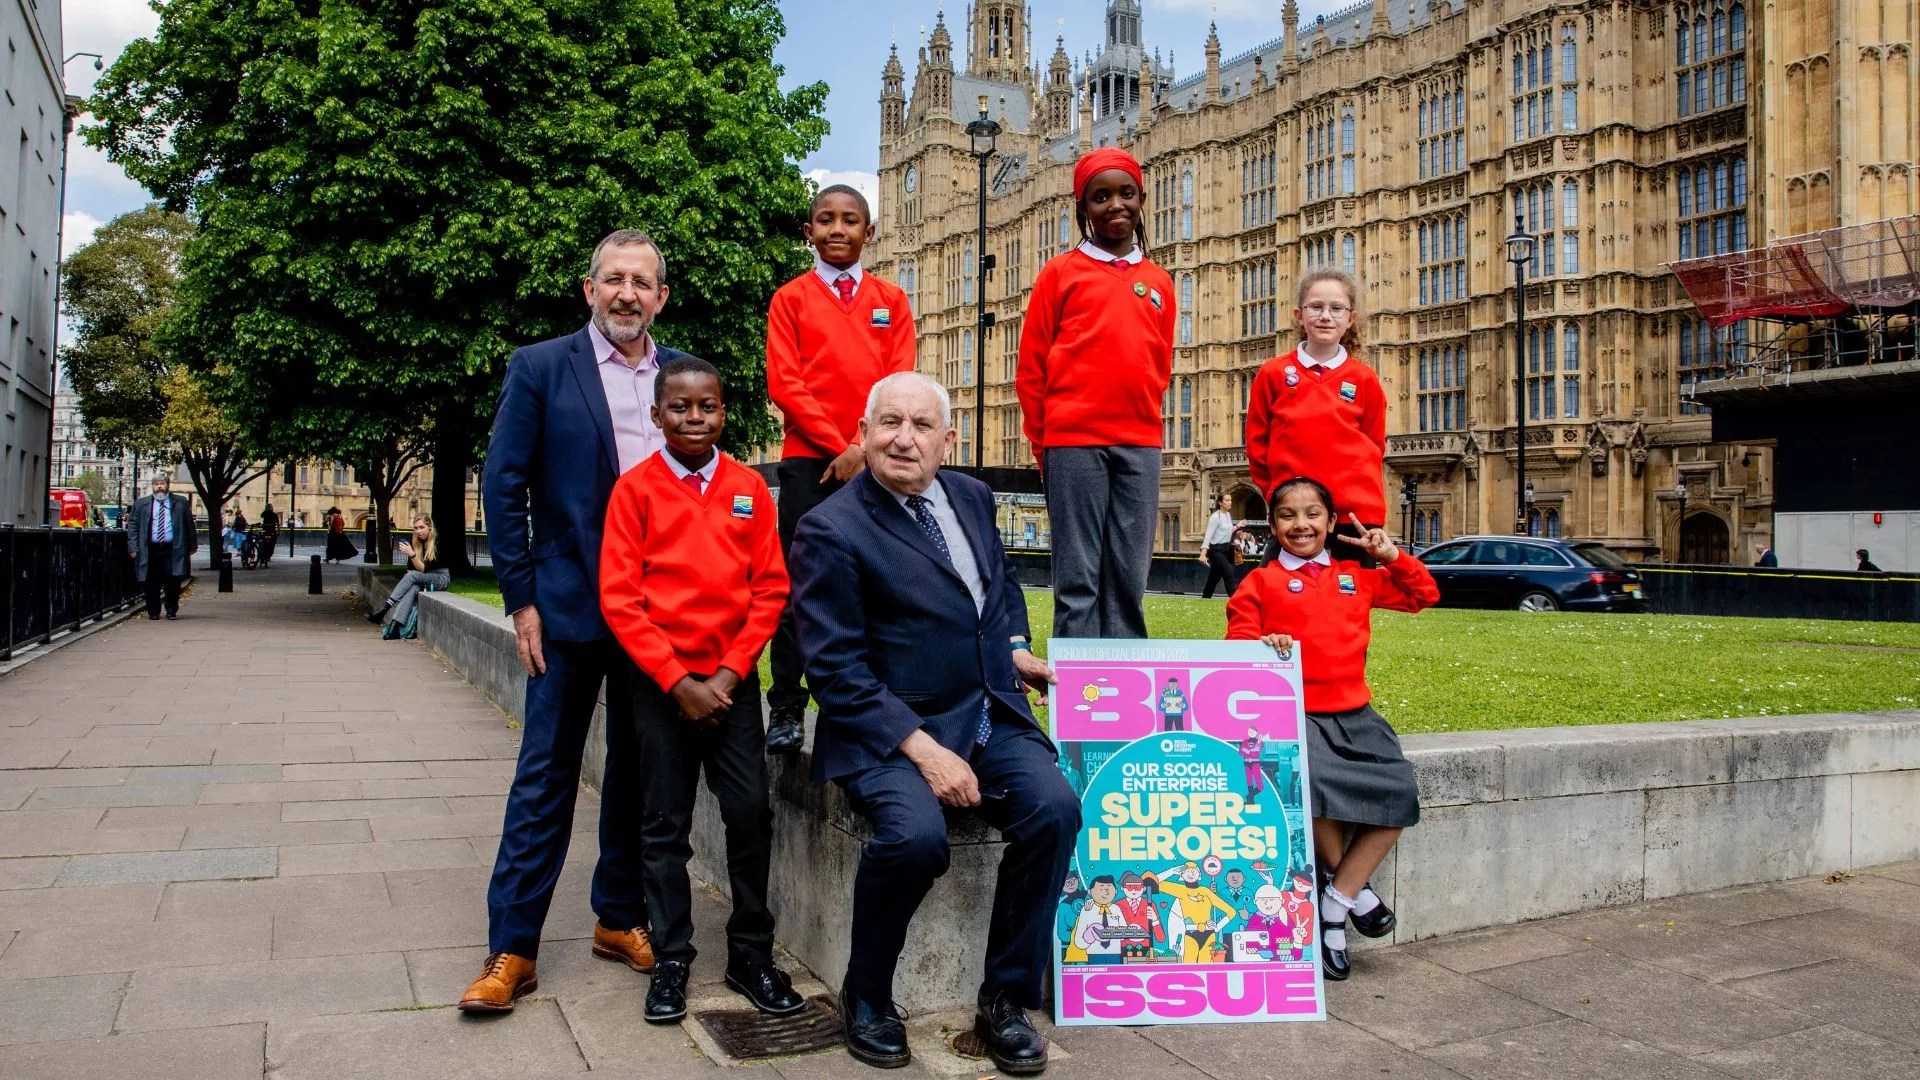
1250, 748
1173, 706
1236, 892
1101, 928
1139, 912
1271, 921
1298, 898
1195, 902
1072, 897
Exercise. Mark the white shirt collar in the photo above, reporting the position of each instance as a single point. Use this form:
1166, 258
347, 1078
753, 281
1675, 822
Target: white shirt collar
1134, 256
604, 351
1294, 562
681, 472
1339, 357
830, 273
935, 494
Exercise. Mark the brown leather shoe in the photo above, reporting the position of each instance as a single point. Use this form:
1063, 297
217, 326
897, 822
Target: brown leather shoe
505, 978
629, 947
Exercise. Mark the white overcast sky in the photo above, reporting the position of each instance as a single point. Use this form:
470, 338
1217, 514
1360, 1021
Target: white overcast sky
817, 47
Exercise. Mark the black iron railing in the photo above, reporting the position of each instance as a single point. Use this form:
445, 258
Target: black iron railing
54, 580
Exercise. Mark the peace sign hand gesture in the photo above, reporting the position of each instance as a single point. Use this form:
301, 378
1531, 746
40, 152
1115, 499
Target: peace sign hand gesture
1375, 542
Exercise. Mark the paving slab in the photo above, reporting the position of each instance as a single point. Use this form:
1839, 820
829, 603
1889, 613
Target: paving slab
34, 873
223, 1053
363, 770
79, 950
170, 866
132, 903
322, 932
196, 813
533, 1041
281, 834
1884, 942
1414, 1003
1639, 1001
1335, 1050
70, 1007
267, 990
1565, 1050
1851, 992
1830, 1052
379, 856
220, 899
1710, 953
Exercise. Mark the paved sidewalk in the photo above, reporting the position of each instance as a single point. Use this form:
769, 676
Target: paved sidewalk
254, 843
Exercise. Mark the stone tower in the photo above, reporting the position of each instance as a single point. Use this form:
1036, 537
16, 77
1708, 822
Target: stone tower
893, 97
1058, 116
997, 41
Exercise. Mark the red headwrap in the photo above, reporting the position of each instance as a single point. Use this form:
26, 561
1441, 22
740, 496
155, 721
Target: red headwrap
1095, 162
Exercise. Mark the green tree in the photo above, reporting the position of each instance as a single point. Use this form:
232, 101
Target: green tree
94, 484
118, 291
202, 438
392, 195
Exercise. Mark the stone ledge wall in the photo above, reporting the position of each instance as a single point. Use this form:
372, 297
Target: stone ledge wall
1516, 825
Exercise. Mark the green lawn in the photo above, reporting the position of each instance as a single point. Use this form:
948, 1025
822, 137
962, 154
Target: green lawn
1459, 670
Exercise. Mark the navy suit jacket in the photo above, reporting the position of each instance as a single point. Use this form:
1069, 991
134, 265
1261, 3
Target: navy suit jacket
888, 630
551, 466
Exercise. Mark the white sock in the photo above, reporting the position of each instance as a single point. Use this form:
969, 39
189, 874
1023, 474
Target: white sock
1366, 901
1336, 938
1333, 917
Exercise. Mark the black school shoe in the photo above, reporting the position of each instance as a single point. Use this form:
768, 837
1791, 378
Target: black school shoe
767, 987
1333, 962
667, 997
1011, 1040
1376, 923
783, 731
874, 1034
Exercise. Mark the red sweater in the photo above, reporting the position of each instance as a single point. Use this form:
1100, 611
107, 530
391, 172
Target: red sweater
692, 583
1332, 428
1330, 617
1096, 352
823, 357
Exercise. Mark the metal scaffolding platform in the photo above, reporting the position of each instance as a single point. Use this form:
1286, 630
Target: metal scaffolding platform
1796, 312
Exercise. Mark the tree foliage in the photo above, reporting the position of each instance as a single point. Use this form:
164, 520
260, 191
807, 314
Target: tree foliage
94, 484
204, 440
118, 291
393, 195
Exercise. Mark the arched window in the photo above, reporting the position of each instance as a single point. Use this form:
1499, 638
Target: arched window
1066, 229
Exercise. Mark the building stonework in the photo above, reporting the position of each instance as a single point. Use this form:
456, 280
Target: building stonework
1399, 142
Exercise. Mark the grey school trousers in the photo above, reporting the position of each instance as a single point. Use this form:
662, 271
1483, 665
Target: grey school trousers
1102, 505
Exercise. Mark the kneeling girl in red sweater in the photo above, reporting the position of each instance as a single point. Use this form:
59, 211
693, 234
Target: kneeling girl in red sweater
1358, 776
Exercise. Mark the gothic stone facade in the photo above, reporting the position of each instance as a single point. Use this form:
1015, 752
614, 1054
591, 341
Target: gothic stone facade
1399, 142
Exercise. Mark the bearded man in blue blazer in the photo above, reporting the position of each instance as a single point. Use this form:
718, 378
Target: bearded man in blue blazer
914, 633
573, 416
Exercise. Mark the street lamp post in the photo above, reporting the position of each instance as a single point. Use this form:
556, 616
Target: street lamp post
982, 132
1519, 251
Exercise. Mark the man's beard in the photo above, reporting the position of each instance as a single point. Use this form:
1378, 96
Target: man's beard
619, 335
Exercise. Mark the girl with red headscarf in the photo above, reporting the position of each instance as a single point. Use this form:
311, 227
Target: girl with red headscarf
1096, 353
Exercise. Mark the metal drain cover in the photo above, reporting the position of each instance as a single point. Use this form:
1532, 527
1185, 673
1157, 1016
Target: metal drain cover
747, 1034
967, 1044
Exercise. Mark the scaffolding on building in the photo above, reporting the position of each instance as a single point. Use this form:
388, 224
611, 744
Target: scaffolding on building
1841, 298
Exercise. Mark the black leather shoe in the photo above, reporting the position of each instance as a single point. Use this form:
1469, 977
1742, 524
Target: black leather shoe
1376, 923
783, 731
1333, 962
667, 997
767, 987
378, 614
874, 1033
1011, 1041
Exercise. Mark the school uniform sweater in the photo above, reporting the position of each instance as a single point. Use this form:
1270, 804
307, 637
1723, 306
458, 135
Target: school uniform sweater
1330, 427
1096, 352
1331, 617
823, 358
689, 583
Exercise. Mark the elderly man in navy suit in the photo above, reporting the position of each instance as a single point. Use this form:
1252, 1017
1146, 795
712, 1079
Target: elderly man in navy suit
574, 414
914, 633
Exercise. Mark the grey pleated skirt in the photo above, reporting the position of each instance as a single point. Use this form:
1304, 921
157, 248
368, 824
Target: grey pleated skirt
1358, 772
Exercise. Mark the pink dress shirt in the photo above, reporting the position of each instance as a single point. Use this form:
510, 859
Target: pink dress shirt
629, 399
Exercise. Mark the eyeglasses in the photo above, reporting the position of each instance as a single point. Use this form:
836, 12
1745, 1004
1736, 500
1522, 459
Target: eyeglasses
616, 282
1338, 311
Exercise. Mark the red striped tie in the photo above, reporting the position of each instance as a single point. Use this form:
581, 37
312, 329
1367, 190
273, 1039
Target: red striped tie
697, 482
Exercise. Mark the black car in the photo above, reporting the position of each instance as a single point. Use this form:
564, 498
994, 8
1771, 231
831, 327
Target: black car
1533, 574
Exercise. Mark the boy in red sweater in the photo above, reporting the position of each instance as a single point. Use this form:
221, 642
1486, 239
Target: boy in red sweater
1357, 774
832, 333
692, 583
1318, 411
1096, 353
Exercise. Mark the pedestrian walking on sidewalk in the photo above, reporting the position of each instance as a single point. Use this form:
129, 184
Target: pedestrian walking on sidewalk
339, 548
161, 539
575, 413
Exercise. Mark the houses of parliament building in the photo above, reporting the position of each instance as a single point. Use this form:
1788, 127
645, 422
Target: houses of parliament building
1399, 141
